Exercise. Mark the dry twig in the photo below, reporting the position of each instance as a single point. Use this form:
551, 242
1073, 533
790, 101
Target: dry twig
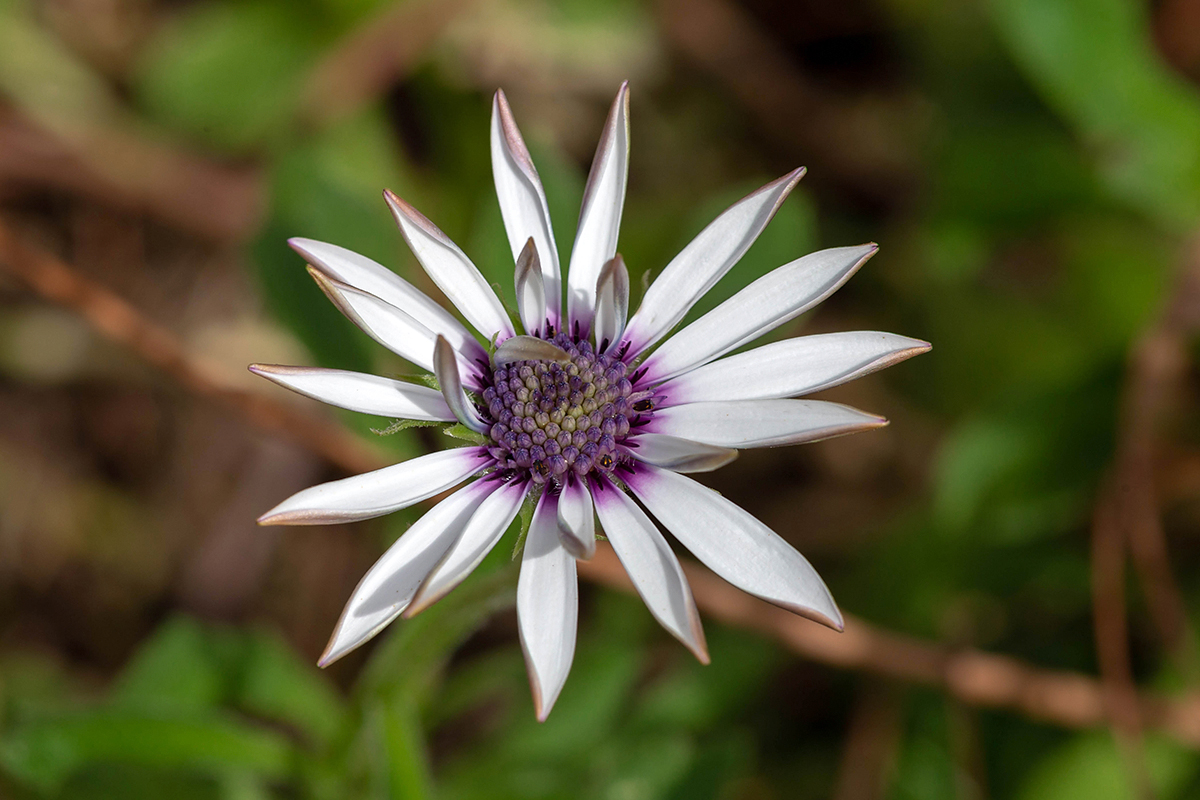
1157, 365
194, 194
1068, 699
119, 322
1112, 642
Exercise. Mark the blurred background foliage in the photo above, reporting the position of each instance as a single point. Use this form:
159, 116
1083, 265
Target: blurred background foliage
1031, 169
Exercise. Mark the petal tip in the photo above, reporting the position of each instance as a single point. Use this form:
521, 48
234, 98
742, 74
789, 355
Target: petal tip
398, 204
328, 657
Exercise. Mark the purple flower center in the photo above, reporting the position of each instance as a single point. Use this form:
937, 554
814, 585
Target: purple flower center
550, 418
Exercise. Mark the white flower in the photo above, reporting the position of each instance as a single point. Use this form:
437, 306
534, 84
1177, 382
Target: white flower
585, 410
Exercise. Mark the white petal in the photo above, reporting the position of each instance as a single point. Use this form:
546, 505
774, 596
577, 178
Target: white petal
547, 608
357, 391
600, 214
371, 277
577, 520
523, 202
383, 322
652, 567
531, 289
383, 491
612, 303
445, 367
735, 545
794, 367
777, 297
760, 423
487, 525
702, 263
451, 270
528, 348
388, 586
679, 455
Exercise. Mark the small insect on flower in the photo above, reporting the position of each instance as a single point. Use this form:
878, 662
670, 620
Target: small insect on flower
586, 410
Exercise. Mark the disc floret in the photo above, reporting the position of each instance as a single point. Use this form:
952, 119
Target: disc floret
551, 419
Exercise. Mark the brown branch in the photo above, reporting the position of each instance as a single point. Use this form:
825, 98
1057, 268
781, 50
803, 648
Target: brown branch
982, 679
1068, 699
117, 166
1112, 642
869, 753
1157, 365
119, 322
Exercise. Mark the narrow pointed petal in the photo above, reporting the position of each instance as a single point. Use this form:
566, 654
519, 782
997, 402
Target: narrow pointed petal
528, 348
357, 391
777, 297
577, 520
600, 214
735, 545
652, 567
388, 587
531, 289
523, 202
383, 322
487, 525
679, 455
612, 302
451, 270
704, 261
368, 276
445, 367
761, 423
794, 367
383, 491
547, 608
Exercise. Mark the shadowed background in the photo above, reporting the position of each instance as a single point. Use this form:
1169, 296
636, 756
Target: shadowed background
1017, 553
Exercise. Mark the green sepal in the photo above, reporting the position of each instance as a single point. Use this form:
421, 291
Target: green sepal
404, 424
526, 519
429, 380
460, 431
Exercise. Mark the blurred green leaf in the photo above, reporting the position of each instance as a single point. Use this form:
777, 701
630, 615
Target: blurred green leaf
45, 754
230, 73
1095, 63
174, 672
278, 685
1090, 768
107, 781
1010, 170
45, 78
695, 696
402, 741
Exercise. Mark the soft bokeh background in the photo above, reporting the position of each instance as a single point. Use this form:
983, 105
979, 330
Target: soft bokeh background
1031, 169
